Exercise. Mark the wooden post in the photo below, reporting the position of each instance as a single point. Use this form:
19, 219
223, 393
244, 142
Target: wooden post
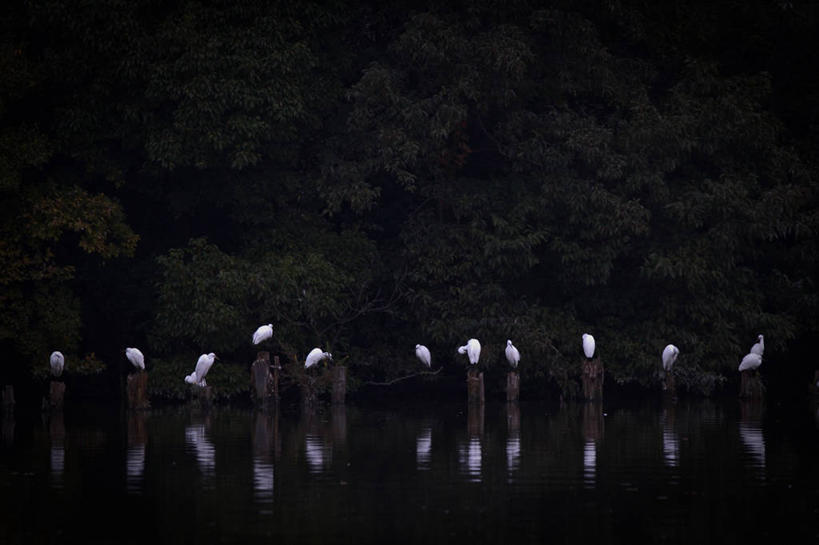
474, 386
669, 386
8, 398
203, 396
309, 395
593, 421
751, 386
512, 386
137, 389
475, 419
339, 392
592, 379
261, 381
513, 418
277, 367
56, 394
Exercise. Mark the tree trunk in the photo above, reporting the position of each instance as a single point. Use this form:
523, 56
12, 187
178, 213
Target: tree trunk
592, 378
137, 389
474, 386
512, 386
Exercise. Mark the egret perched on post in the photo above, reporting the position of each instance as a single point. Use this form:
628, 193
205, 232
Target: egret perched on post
512, 354
759, 346
422, 352
315, 356
588, 345
750, 361
670, 354
472, 348
263, 333
57, 363
203, 365
135, 356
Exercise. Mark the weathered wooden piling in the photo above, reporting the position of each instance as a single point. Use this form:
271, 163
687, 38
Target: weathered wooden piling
203, 396
592, 378
669, 385
56, 394
474, 386
309, 392
8, 398
513, 418
512, 386
137, 391
750, 385
264, 380
339, 382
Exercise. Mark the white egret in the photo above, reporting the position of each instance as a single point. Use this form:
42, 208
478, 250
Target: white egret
588, 345
203, 365
759, 347
473, 349
670, 354
422, 352
512, 354
57, 363
263, 333
135, 356
750, 361
315, 356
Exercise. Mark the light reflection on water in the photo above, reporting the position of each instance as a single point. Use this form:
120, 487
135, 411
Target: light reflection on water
490, 473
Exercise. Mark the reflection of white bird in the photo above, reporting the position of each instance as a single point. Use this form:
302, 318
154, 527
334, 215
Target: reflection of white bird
263, 333
422, 352
423, 448
135, 356
470, 458
315, 356
751, 434
512, 354
57, 363
319, 455
759, 346
203, 365
670, 354
472, 348
203, 449
750, 361
588, 345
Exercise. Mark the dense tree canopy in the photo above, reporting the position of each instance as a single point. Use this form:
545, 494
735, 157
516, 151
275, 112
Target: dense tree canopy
368, 177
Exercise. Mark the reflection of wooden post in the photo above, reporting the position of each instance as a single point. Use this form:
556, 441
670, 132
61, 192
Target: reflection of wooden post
260, 379
8, 398
592, 379
137, 389
512, 386
56, 394
750, 386
474, 386
593, 421
339, 377
513, 418
474, 419
814, 386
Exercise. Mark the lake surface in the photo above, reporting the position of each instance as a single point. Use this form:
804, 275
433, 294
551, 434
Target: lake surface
695, 472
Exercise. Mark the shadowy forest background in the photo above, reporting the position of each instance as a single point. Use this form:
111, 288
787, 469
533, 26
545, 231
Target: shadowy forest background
369, 177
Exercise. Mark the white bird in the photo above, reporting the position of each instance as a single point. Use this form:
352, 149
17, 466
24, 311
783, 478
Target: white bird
512, 354
759, 347
422, 352
203, 365
135, 356
750, 361
57, 363
588, 345
315, 356
473, 349
263, 333
670, 354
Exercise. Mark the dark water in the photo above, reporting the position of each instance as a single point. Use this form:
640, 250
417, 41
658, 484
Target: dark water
699, 472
